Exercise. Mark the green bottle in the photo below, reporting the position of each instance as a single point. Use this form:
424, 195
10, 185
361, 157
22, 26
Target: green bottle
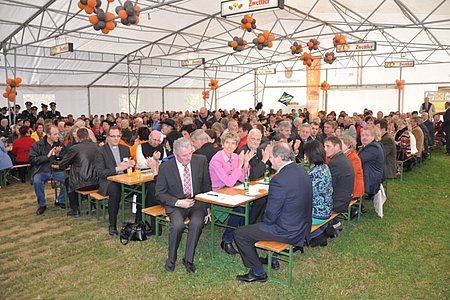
267, 174
246, 181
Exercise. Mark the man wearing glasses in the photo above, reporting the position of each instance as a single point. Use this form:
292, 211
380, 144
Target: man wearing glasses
109, 160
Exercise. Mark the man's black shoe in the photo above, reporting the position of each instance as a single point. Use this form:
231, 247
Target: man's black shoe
320, 240
169, 267
251, 277
113, 230
41, 210
73, 213
190, 267
275, 264
60, 205
330, 232
228, 248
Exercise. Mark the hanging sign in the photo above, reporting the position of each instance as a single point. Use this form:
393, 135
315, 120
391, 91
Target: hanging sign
352, 47
192, 62
399, 64
237, 7
265, 71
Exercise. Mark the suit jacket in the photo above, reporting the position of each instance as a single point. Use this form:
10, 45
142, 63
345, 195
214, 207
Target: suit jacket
418, 134
446, 123
105, 165
343, 181
374, 166
169, 187
207, 150
289, 206
390, 152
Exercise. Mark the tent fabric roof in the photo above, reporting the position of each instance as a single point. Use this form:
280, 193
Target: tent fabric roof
169, 31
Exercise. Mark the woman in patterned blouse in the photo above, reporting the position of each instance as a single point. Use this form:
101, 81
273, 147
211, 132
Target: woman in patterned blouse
322, 187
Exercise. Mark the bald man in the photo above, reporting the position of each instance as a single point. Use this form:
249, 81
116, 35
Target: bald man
204, 116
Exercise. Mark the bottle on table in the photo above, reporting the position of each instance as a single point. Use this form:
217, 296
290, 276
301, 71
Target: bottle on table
129, 169
246, 181
267, 174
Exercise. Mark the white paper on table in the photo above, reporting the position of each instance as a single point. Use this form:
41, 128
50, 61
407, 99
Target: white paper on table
259, 186
224, 198
262, 181
253, 190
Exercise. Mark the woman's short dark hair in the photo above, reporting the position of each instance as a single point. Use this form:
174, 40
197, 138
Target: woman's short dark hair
314, 152
23, 130
143, 132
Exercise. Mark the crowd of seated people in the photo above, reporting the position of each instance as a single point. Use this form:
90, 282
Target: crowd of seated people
348, 155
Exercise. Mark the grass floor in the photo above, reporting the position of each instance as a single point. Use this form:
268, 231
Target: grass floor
405, 255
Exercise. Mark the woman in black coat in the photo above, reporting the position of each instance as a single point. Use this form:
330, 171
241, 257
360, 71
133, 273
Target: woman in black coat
372, 159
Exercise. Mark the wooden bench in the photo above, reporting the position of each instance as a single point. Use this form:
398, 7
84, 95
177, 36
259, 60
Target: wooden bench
285, 250
88, 194
99, 200
4, 173
347, 215
400, 164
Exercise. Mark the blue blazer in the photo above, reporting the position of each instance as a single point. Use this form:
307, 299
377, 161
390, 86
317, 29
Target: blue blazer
289, 205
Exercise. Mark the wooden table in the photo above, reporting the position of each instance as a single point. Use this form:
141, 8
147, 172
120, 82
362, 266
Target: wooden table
224, 207
132, 184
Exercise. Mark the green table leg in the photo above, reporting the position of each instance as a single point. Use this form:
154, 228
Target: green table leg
213, 220
122, 196
247, 213
143, 198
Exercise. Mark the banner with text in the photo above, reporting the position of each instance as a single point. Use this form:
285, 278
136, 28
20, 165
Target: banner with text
313, 86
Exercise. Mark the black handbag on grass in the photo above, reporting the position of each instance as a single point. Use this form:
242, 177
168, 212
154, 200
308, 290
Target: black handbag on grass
134, 232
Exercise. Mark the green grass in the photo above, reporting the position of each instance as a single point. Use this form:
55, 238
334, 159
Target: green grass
405, 255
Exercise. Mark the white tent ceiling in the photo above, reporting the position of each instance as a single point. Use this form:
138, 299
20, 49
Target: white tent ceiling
149, 54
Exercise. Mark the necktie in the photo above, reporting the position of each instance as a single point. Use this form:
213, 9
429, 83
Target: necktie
187, 182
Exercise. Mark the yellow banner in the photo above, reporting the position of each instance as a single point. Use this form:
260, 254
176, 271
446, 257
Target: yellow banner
313, 85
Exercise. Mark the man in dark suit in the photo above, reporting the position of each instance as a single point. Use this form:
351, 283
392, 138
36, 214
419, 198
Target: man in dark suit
342, 175
109, 160
53, 113
288, 213
202, 144
26, 113
179, 180
446, 126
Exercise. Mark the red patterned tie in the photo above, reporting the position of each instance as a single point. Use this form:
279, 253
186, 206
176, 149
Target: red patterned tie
187, 182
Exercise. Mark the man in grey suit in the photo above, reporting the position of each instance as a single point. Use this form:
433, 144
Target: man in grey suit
179, 180
109, 160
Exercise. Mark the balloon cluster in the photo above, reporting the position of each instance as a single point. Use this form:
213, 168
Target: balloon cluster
313, 44
325, 86
238, 44
128, 13
213, 84
248, 23
296, 48
329, 57
205, 95
400, 84
89, 5
339, 40
103, 21
264, 40
307, 59
10, 90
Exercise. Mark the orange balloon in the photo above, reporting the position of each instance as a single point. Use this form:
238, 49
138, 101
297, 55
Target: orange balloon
91, 3
271, 37
81, 5
9, 81
105, 30
137, 8
18, 80
137, 21
261, 39
123, 14
234, 44
110, 25
8, 88
11, 97
109, 16
93, 19
270, 45
248, 25
5, 95
110, 1
266, 34
89, 10
329, 57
